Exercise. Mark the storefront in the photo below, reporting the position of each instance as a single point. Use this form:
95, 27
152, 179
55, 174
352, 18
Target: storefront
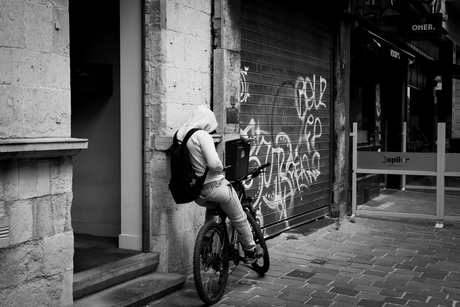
286, 104
377, 97
402, 86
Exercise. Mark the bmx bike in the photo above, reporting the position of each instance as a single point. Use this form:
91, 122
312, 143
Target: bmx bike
215, 247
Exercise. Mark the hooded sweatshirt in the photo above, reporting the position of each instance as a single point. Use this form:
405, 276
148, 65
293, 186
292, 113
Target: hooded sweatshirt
201, 144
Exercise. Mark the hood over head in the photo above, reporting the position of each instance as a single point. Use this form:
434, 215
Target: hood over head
203, 118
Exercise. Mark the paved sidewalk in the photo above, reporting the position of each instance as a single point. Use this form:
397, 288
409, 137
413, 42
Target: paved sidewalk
366, 262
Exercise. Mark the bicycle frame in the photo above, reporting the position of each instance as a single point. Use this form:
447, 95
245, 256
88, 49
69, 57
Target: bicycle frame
246, 203
231, 241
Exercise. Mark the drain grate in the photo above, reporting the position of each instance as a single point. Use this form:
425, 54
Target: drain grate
301, 274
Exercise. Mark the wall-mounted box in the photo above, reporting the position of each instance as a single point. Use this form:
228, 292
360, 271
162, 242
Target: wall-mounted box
92, 78
237, 158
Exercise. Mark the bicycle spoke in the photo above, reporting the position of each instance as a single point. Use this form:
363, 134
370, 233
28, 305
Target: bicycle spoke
210, 268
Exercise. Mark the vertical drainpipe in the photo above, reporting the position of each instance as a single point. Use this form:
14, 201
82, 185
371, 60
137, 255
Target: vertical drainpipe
226, 63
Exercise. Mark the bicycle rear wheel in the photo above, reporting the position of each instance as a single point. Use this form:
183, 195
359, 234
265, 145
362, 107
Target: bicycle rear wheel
262, 265
210, 268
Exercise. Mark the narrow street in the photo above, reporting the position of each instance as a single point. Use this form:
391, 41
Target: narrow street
367, 262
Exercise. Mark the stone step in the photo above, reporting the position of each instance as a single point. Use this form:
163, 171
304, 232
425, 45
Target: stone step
112, 274
136, 292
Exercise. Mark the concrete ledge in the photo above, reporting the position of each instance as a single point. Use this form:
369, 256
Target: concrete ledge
15, 149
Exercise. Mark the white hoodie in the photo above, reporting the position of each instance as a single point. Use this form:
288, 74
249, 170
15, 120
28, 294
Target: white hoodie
201, 144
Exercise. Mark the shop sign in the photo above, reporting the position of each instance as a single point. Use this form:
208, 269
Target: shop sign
395, 54
400, 161
452, 164
423, 27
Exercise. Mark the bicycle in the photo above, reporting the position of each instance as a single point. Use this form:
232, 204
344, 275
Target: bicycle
214, 249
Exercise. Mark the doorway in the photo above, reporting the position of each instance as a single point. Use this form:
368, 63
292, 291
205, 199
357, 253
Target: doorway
106, 99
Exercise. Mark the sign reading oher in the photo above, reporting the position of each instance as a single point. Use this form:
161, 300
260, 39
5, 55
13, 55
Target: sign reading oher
424, 27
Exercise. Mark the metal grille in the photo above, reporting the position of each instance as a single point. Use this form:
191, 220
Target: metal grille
286, 104
4, 232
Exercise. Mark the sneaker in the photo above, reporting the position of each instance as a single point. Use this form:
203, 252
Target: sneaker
252, 256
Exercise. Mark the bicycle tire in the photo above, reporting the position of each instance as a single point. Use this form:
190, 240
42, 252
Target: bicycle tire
262, 265
210, 269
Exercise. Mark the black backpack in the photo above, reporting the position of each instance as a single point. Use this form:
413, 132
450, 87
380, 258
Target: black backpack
185, 185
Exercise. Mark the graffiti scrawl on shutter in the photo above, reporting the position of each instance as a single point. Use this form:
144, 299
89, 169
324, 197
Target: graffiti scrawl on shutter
291, 147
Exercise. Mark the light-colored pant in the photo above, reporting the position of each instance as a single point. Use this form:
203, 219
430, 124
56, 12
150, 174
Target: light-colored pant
224, 194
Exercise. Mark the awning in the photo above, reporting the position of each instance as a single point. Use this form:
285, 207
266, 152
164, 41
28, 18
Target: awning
391, 45
427, 49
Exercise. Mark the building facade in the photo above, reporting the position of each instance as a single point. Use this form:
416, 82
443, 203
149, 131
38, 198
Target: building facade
93, 92
401, 83
271, 77
36, 149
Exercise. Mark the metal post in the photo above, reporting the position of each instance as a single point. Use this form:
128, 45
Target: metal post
440, 172
404, 147
353, 171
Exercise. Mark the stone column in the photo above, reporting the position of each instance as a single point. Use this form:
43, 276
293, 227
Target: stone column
177, 79
226, 67
341, 118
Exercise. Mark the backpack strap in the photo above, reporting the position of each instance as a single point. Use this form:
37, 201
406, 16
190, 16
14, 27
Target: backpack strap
189, 134
185, 140
176, 141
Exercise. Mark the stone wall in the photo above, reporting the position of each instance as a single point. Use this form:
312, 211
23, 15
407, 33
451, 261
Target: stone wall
36, 239
178, 53
34, 69
36, 265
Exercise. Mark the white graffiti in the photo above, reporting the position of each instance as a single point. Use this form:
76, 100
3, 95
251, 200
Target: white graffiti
304, 103
244, 92
294, 167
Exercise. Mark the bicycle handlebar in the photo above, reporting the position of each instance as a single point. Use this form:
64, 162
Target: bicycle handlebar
260, 168
254, 173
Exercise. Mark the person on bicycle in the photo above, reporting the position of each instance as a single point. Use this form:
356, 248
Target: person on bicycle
216, 189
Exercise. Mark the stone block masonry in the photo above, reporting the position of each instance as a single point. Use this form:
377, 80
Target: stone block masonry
178, 66
34, 69
36, 267
36, 237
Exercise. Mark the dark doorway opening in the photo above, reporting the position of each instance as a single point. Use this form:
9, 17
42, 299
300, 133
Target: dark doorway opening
95, 100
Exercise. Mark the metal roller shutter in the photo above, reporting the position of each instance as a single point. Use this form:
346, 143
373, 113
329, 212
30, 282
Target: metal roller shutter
286, 104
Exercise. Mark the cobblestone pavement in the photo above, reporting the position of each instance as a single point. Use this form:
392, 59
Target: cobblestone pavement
412, 202
366, 262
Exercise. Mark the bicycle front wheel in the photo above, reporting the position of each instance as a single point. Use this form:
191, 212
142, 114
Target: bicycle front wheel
210, 266
262, 265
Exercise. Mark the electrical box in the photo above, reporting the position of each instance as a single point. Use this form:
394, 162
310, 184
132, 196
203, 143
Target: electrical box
92, 78
237, 157
232, 116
